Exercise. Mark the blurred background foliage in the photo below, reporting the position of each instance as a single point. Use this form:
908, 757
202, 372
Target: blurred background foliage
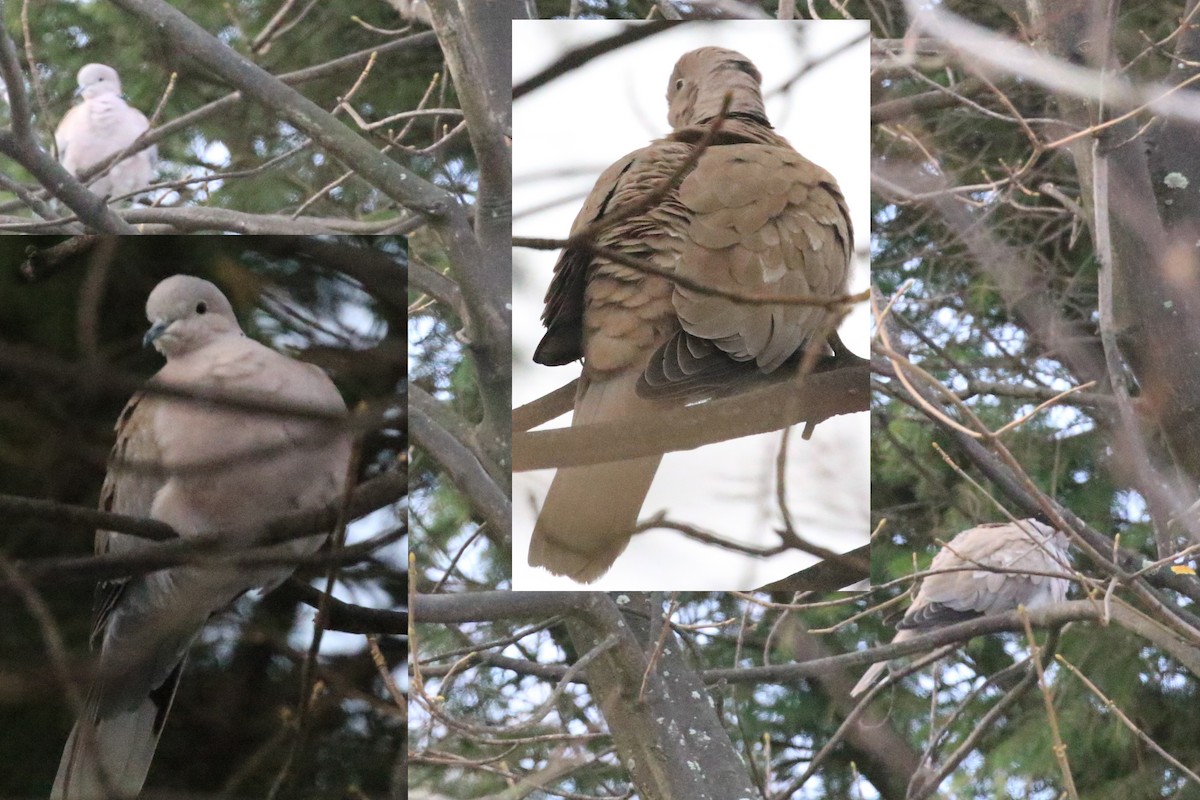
232, 721
985, 345
958, 324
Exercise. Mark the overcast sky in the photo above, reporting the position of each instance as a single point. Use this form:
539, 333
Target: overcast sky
564, 134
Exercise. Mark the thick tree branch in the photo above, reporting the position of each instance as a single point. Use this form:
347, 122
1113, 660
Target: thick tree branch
369, 496
200, 219
452, 609
396, 181
425, 279
812, 398
545, 408
825, 576
347, 617
465, 471
478, 55
886, 757
997, 54
892, 110
1011, 621
477, 43
196, 219
463, 432
654, 704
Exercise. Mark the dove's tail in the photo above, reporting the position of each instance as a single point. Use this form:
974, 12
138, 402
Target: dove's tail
876, 670
107, 756
869, 677
590, 512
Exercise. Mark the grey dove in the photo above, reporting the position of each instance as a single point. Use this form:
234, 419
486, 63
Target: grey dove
1033, 563
752, 216
103, 125
201, 469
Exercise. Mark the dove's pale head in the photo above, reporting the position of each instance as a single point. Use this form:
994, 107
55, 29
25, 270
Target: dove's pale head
1057, 541
703, 77
97, 79
187, 313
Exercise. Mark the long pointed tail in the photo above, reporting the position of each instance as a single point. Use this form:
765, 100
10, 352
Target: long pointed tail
876, 670
590, 512
869, 677
589, 516
108, 757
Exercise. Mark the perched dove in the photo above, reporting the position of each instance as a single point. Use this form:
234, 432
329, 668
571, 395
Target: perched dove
104, 124
957, 593
752, 216
220, 470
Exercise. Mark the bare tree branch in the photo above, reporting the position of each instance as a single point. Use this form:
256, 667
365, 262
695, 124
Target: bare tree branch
399, 183
171, 550
812, 398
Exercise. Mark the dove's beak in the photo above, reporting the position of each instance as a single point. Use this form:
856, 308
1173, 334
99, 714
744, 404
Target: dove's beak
156, 330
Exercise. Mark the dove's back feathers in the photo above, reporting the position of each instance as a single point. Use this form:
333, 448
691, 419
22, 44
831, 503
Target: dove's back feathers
751, 215
988, 569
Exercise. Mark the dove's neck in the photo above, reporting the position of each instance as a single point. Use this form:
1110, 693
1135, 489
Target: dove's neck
745, 113
98, 90
734, 130
105, 107
183, 353
742, 91
745, 116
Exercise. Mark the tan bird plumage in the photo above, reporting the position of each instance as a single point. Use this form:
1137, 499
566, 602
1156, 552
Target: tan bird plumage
753, 216
219, 470
967, 583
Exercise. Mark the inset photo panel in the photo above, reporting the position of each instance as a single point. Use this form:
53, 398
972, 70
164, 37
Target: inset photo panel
204, 494
690, 317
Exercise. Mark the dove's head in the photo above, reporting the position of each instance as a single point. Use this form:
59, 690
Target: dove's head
703, 77
97, 79
1039, 524
187, 313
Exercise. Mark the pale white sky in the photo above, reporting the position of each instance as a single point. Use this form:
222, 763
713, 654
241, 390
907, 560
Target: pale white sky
564, 134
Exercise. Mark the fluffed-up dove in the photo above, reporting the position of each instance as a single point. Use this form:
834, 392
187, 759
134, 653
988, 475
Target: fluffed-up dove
103, 125
750, 216
201, 468
988, 569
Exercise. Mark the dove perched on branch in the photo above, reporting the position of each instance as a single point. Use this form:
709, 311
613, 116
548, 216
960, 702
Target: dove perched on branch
749, 215
989, 569
201, 468
103, 125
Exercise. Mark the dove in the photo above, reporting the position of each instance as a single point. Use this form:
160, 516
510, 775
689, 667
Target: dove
965, 583
100, 126
201, 468
750, 215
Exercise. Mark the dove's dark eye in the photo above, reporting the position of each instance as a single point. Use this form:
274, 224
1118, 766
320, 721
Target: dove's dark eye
679, 84
201, 307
